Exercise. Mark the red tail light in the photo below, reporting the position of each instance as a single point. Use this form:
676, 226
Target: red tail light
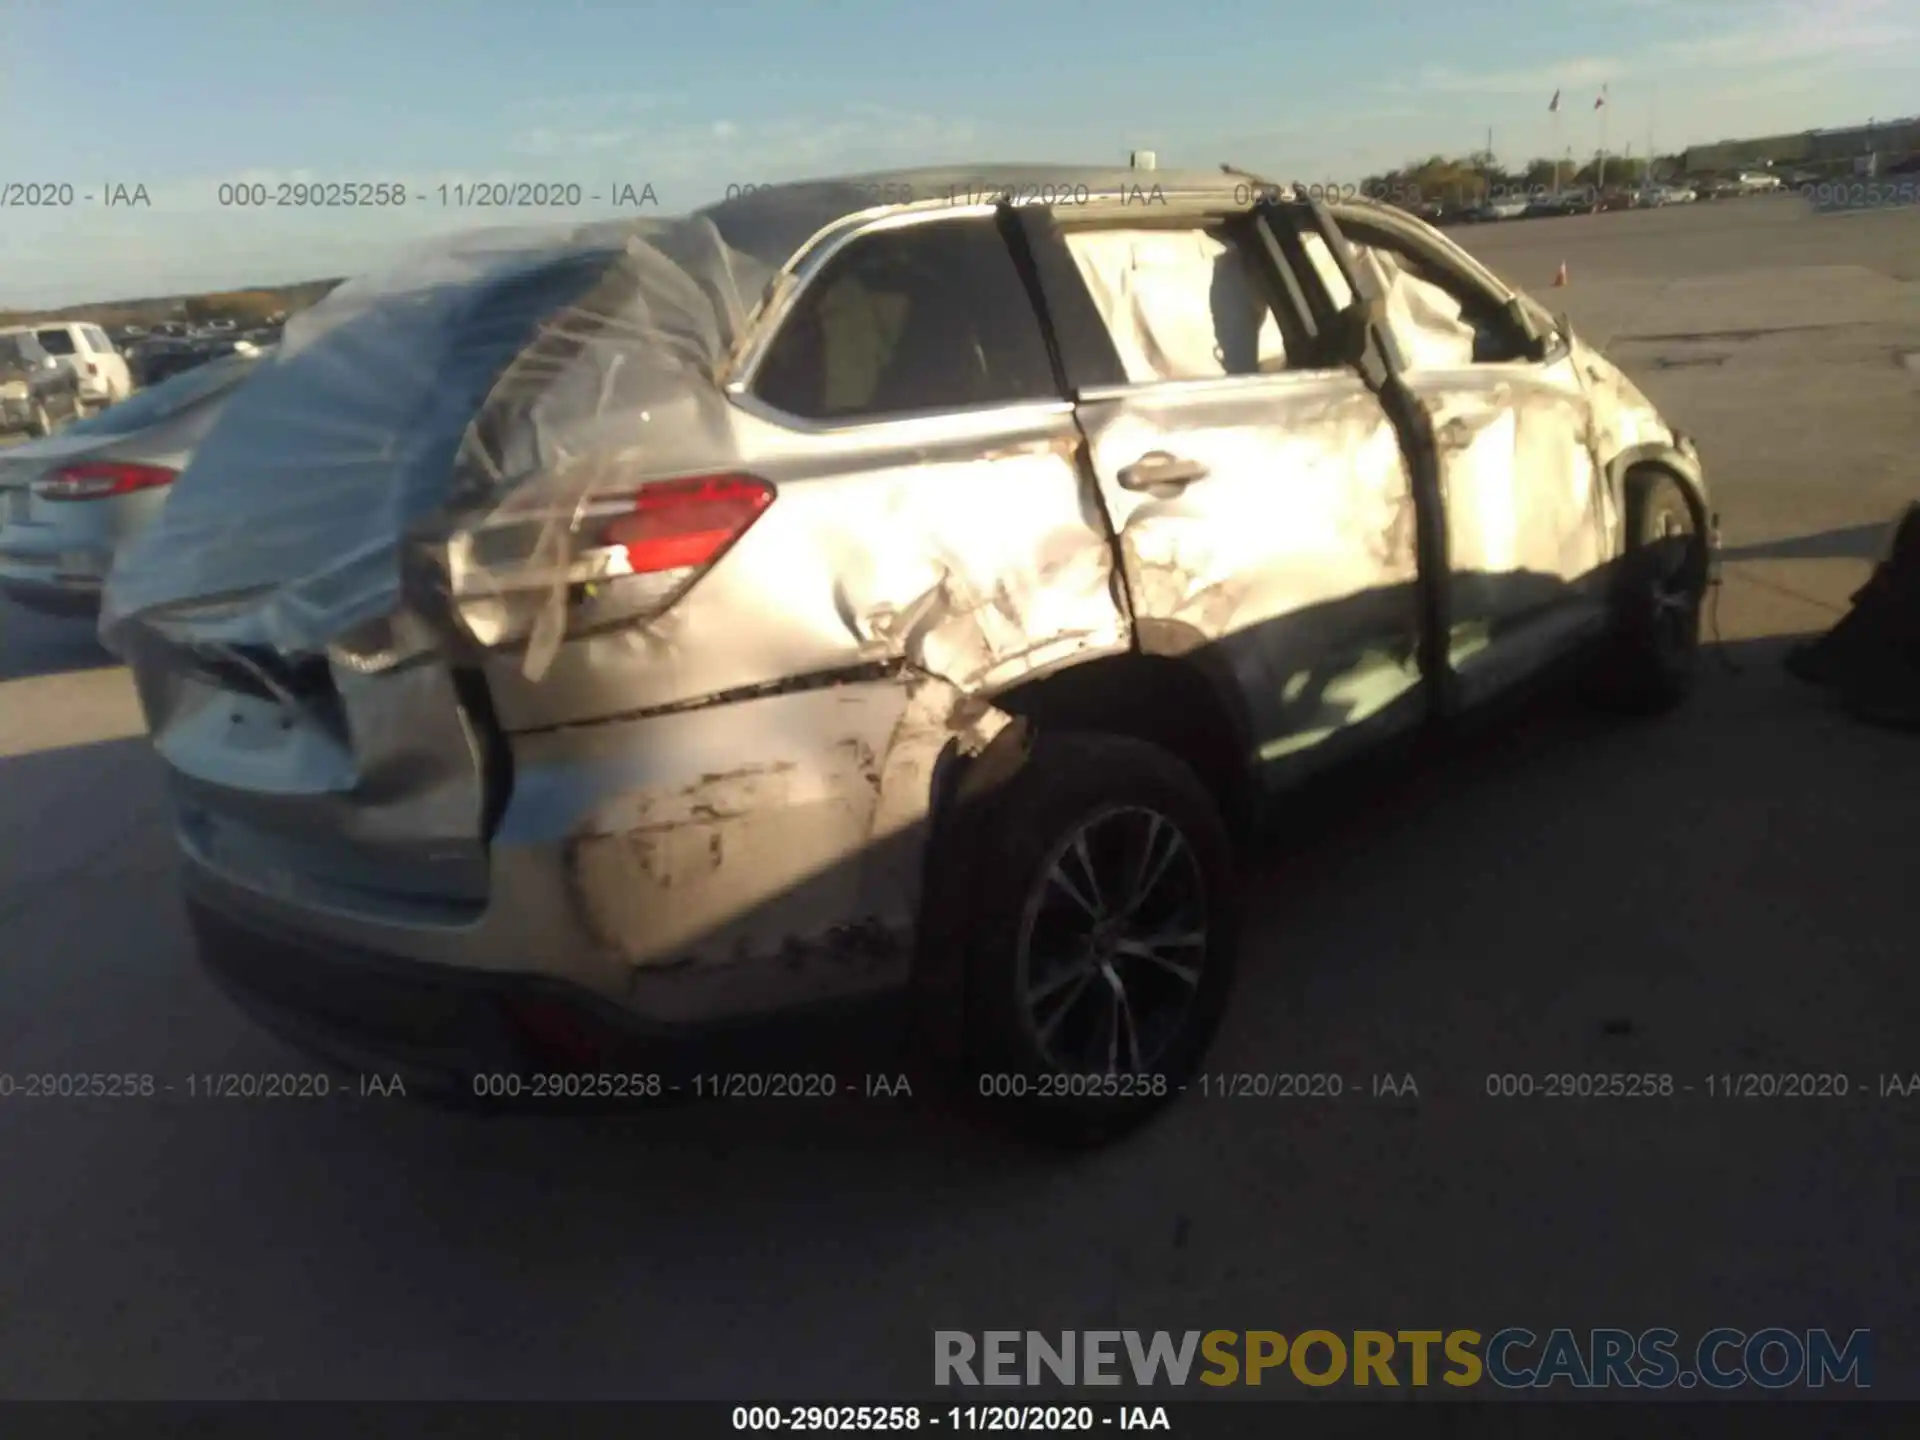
92, 369
98, 479
636, 555
682, 524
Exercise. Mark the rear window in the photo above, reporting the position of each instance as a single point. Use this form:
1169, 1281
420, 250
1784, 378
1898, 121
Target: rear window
57, 341
100, 341
928, 317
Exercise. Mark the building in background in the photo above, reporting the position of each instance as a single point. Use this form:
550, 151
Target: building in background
1821, 149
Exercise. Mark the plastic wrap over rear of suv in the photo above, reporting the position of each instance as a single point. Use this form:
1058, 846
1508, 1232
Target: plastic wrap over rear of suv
403, 488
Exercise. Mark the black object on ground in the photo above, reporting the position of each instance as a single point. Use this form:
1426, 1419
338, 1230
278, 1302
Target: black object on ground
1871, 658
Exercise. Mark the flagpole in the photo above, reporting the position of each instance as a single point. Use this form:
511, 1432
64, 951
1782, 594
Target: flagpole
1555, 107
1600, 177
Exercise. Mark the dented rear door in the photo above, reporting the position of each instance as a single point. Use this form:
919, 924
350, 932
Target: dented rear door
768, 743
1261, 504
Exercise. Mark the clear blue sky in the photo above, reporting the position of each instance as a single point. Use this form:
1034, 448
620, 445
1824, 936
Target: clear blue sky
182, 95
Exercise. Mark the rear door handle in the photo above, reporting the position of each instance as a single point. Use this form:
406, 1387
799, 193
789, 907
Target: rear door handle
1159, 470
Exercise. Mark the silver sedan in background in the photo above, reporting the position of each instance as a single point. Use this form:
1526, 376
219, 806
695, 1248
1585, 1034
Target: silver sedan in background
69, 501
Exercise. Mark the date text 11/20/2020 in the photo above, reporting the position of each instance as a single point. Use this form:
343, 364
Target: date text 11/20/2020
462, 195
1041, 1419
204, 1085
1726, 1085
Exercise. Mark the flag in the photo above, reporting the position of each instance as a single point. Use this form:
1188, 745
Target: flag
1600, 99
1553, 106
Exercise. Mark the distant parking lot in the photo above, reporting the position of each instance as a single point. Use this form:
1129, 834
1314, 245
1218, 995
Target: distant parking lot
1727, 890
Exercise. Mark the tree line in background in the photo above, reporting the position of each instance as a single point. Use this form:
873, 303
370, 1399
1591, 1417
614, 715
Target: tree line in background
1464, 179
246, 308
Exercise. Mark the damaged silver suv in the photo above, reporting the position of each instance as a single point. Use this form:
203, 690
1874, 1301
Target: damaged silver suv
573, 651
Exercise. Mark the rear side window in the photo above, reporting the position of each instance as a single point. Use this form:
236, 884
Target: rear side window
925, 317
99, 341
57, 341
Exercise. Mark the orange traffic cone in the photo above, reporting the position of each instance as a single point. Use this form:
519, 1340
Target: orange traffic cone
1560, 277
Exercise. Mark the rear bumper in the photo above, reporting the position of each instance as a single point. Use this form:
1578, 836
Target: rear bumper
358, 1012
74, 599
443, 1032
683, 907
52, 578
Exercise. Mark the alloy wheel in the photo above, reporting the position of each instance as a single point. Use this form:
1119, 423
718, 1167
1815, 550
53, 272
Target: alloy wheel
1112, 943
1671, 580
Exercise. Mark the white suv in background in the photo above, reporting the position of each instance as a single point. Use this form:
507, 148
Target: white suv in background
86, 350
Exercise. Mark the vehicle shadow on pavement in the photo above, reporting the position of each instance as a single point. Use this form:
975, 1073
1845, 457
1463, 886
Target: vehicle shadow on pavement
1854, 542
1725, 889
34, 645
50, 825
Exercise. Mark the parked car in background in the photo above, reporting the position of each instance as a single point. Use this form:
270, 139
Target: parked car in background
552, 697
1720, 187
161, 359
1566, 202
37, 392
1431, 211
100, 369
1503, 207
68, 503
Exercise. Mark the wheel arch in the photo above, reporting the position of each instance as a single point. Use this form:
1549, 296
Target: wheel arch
1675, 461
1172, 693
1186, 703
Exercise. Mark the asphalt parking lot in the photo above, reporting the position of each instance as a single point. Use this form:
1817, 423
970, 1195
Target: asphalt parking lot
1727, 890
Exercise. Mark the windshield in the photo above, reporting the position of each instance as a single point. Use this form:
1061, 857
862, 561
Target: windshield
168, 398
58, 342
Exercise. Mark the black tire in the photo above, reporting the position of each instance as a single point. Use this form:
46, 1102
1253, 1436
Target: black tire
1028, 1067
1652, 655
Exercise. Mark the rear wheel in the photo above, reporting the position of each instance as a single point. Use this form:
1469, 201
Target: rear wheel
1101, 944
1654, 651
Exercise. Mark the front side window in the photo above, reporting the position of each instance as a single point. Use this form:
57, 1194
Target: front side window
1440, 320
922, 317
1181, 303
